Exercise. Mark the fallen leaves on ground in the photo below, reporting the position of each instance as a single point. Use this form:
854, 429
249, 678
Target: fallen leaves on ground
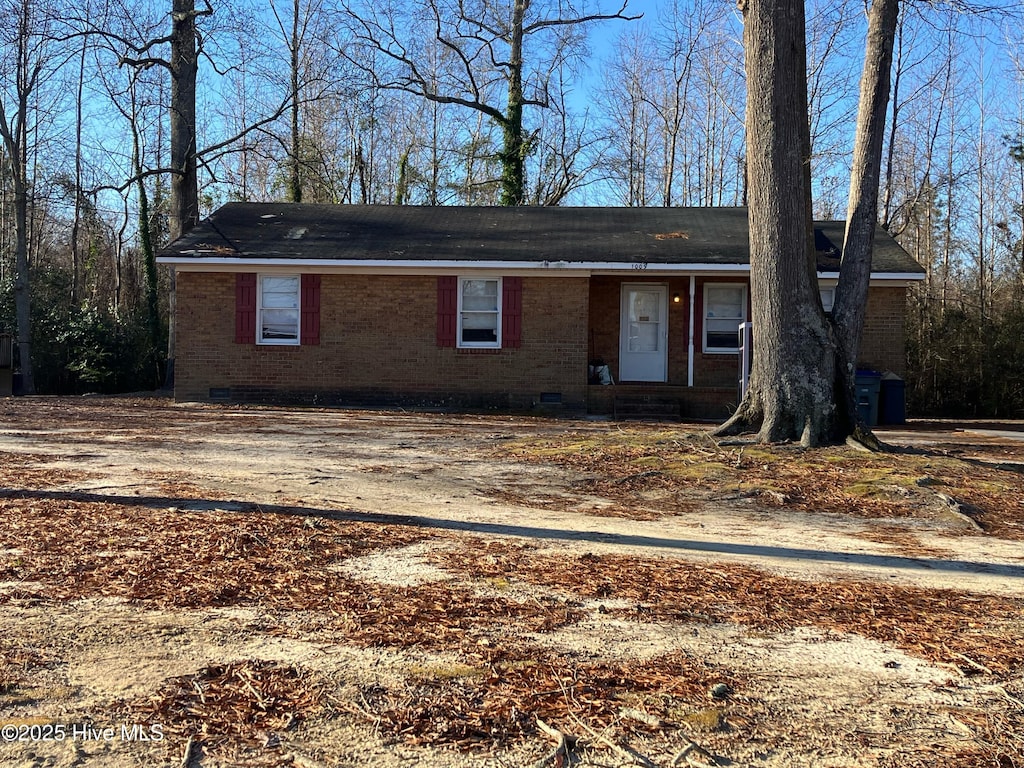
210, 551
22, 470
519, 687
938, 625
632, 459
241, 708
60, 548
69, 550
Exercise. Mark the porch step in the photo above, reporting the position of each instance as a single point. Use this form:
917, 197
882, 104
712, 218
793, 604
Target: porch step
647, 408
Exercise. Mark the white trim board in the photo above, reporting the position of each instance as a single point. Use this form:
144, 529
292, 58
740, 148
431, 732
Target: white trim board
638, 270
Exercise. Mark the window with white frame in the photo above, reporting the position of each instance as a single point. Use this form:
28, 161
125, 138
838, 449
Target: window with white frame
278, 309
725, 307
479, 312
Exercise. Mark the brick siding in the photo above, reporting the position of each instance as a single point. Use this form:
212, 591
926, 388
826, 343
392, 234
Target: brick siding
378, 346
883, 346
710, 370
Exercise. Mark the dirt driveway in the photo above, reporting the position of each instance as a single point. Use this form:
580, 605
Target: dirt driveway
205, 585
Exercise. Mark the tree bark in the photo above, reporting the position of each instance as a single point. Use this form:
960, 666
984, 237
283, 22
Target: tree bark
295, 180
790, 396
514, 146
862, 214
14, 129
148, 255
184, 66
76, 224
22, 286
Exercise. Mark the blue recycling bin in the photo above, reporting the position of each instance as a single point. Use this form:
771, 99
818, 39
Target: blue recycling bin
868, 385
892, 400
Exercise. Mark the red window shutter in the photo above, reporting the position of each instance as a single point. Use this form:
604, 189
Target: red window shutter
447, 309
245, 308
511, 312
310, 304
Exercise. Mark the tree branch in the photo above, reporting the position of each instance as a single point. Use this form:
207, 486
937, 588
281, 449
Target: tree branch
545, 23
143, 63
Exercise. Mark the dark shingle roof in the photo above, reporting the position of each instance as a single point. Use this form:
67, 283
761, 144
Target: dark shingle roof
339, 233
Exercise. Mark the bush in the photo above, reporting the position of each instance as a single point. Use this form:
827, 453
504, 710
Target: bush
82, 348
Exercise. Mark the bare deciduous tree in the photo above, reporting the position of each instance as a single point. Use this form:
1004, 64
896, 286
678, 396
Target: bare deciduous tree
29, 56
791, 393
862, 212
486, 48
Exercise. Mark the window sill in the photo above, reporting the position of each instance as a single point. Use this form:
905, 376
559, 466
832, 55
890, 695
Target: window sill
478, 350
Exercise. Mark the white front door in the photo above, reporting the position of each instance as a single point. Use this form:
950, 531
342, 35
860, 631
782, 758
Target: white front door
643, 346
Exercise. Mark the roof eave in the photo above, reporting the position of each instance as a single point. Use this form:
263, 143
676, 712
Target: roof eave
226, 264
441, 266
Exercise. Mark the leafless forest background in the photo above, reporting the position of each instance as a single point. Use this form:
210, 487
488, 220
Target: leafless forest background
328, 101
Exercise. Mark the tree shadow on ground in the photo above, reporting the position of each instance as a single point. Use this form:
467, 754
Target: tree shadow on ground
531, 532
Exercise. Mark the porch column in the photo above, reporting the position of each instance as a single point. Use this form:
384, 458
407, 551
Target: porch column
689, 355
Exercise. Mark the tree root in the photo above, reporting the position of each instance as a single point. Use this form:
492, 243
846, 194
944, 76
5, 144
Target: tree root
863, 439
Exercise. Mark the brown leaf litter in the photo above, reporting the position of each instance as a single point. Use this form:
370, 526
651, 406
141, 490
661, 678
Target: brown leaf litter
681, 466
939, 625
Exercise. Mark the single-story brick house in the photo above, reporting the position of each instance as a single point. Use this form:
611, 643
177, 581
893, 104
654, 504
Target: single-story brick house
504, 308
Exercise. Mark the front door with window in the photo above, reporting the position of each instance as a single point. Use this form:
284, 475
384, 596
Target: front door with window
643, 346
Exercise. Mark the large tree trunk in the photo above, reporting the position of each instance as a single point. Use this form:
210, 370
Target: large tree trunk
185, 181
514, 145
184, 69
862, 212
22, 283
15, 137
295, 167
790, 396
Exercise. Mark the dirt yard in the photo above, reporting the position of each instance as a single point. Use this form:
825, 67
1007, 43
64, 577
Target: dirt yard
186, 585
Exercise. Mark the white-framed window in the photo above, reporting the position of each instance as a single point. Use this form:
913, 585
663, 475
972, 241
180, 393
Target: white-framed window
277, 309
725, 307
479, 312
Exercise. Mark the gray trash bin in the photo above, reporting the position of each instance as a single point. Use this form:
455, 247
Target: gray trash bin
868, 386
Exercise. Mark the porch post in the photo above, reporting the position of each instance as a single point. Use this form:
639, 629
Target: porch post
689, 355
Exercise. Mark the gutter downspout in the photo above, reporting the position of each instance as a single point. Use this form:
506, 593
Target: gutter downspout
689, 355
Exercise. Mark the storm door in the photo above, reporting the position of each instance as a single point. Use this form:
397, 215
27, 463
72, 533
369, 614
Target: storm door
643, 345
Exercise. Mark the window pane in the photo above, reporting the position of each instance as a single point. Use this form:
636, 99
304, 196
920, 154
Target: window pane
645, 307
724, 310
643, 337
723, 334
281, 292
280, 324
480, 295
478, 321
480, 327
725, 301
